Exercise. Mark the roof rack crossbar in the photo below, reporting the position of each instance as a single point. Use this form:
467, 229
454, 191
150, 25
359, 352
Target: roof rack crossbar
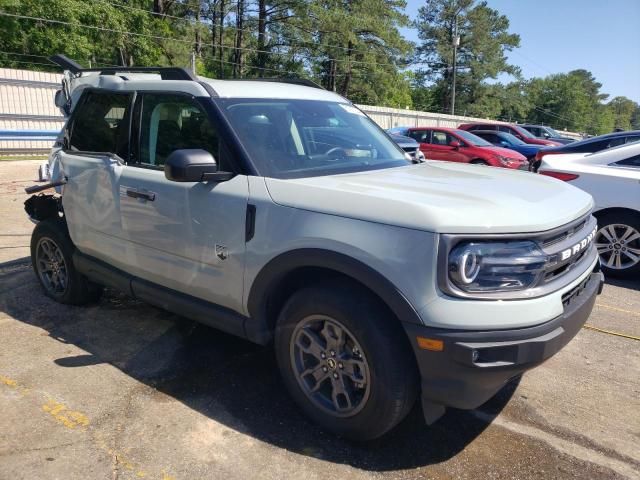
166, 73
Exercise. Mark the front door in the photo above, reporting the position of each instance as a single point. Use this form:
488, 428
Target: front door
187, 236
95, 144
441, 149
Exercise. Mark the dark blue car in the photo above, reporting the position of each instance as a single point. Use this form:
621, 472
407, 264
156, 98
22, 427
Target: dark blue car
506, 140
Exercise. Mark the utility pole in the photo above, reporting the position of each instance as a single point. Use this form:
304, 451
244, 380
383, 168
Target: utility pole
193, 62
455, 41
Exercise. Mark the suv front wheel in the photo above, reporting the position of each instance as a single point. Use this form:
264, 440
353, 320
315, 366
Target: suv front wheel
52, 260
346, 360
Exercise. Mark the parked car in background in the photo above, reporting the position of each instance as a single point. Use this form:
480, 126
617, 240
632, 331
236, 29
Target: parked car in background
590, 145
517, 131
612, 177
506, 140
547, 133
410, 146
452, 145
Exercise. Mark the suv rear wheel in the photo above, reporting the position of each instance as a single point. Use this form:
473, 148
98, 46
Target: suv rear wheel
618, 243
345, 360
52, 260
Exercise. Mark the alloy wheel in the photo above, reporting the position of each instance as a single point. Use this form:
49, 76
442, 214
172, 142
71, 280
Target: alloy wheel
618, 246
51, 266
330, 366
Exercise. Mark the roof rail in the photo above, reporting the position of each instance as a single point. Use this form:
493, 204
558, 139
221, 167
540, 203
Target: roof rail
166, 73
294, 81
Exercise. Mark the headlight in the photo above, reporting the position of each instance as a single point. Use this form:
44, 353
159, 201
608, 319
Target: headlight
484, 267
505, 160
420, 156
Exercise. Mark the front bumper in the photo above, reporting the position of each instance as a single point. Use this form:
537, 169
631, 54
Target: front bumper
474, 365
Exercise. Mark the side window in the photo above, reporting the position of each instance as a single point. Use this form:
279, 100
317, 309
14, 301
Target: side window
441, 138
491, 137
615, 142
100, 125
629, 162
170, 122
506, 129
633, 139
421, 136
535, 131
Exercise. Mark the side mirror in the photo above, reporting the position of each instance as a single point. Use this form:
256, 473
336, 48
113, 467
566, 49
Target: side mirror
193, 165
455, 144
545, 135
504, 143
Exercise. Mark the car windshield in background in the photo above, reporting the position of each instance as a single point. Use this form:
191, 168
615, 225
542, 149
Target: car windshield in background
303, 138
513, 140
473, 139
523, 131
552, 132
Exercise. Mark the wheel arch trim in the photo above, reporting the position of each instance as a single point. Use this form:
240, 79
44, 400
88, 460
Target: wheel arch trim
277, 269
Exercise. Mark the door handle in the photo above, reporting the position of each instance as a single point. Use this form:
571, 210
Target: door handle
133, 193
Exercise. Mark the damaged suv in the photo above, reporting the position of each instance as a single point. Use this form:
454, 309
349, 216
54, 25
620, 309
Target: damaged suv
279, 212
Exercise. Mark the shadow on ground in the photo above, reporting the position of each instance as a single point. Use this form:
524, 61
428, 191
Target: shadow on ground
623, 283
225, 378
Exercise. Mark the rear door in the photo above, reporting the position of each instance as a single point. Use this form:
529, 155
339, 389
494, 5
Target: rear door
95, 143
189, 236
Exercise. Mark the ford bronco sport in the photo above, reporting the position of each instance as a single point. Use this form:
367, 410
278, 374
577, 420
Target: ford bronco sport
280, 213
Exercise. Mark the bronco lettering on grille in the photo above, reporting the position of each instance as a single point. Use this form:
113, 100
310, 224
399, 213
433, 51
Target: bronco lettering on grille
578, 247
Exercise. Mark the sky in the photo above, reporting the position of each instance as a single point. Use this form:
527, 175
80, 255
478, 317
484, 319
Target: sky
557, 36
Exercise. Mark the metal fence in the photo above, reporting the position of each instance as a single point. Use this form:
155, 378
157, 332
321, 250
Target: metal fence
26, 108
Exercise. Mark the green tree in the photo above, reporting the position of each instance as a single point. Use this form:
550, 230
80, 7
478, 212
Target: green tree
484, 41
623, 110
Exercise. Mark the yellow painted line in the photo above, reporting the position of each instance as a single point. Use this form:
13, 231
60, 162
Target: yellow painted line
68, 418
610, 332
631, 312
73, 419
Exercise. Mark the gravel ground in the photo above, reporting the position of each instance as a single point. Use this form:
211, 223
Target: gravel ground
124, 390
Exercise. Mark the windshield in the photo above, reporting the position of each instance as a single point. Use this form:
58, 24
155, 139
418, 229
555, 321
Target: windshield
512, 139
473, 139
552, 132
523, 131
303, 138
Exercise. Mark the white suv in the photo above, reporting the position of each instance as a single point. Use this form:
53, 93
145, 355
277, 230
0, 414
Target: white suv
281, 213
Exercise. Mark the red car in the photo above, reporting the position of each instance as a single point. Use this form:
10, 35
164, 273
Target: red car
455, 145
517, 131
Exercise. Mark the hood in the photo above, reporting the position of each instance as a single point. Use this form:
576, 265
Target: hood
505, 152
404, 142
540, 141
440, 197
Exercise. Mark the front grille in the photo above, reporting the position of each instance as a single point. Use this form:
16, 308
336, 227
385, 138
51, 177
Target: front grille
576, 239
565, 234
410, 149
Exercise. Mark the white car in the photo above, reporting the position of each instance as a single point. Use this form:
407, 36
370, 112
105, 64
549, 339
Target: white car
612, 177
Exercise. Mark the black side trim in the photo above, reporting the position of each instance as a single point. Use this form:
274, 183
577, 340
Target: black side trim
102, 273
194, 308
180, 303
250, 225
266, 282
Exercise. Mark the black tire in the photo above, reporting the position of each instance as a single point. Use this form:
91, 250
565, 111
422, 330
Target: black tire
389, 381
619, 256
55, 270
478, 162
